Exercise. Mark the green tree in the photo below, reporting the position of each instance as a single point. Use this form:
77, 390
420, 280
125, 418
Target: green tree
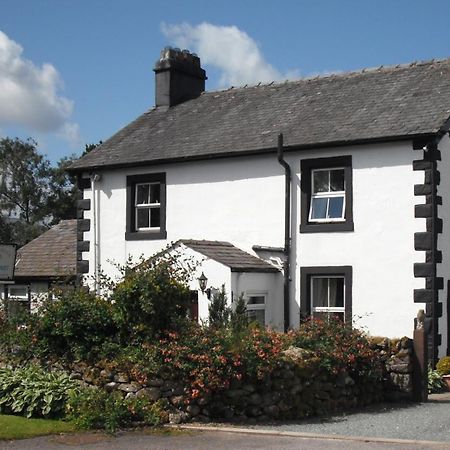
63, 194
89, 147
33, 194
238, 317
6, 231
24, 180
24, 188
218, 311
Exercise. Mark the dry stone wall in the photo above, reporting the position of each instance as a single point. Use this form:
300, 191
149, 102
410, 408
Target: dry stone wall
397, 356
288, 393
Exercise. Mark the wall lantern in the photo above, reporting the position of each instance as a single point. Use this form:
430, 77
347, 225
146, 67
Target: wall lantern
202, 282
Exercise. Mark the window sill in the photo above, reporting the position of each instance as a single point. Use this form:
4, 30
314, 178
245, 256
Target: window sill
329, 227
145, 235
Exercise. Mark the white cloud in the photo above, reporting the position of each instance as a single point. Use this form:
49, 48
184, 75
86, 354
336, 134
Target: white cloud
29, 94
228, 48
71, 133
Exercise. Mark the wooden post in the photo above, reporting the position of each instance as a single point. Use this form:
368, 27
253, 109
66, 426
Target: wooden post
420, 359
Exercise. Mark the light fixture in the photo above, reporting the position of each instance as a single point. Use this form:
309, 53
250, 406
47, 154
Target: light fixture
202, 282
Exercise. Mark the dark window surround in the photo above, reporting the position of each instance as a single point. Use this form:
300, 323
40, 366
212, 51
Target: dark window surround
131, 234
305, 286
306, 166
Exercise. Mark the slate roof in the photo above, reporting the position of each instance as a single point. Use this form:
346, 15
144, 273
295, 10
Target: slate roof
51, 255
379, 104
229, 255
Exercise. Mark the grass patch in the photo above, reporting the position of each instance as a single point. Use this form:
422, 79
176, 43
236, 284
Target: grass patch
18, 427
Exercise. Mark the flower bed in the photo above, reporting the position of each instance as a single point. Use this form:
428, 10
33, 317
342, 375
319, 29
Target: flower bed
204, 374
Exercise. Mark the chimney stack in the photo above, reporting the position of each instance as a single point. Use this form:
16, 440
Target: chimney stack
178, 76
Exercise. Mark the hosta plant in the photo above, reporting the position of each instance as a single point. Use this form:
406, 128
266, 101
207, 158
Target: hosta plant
33, 391
435, 383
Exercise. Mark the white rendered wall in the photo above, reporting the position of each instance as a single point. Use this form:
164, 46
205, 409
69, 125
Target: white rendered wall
381, 247
235, 284
217, 274
443, 270
39, 293
241, 200
269, 284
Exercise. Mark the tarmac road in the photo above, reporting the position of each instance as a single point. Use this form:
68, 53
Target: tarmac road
207, 440
398, 427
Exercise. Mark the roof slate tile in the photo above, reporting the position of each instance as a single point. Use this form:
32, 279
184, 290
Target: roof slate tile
51, 255
369, 105
229, 255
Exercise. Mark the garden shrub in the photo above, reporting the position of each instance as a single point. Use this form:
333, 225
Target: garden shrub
16, 339
200, 357
339, 347
152, 298
97, 409
218, 310
435, 382
238, 316
220, 315
260, 350
443, 365
76, 326
209, 359
33, 391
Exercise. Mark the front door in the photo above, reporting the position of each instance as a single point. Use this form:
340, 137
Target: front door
193, 305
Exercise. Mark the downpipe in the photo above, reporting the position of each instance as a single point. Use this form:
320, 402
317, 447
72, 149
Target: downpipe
287, 232
95, 178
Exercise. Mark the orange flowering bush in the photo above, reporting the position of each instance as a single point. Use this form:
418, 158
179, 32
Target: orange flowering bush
339, 347
261, 351
200, 357
209, 359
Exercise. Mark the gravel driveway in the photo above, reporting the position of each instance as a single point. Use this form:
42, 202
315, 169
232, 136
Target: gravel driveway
418, 421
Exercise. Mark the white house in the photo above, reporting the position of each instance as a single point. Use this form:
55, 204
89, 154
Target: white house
44, 262
354, 203
238, 272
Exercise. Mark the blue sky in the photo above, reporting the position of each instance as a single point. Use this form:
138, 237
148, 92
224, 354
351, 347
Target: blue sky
74, 72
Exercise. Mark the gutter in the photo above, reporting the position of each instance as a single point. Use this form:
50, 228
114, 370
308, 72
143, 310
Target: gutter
287, 231
249, 152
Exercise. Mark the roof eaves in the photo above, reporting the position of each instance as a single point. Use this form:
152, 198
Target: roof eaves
43, 277
213, 156
255, 269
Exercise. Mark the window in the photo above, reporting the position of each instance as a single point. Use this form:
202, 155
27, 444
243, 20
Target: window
327, 195
256, 308
326, 198
18, 292
327, 296
326, 291
146, 207
18, 300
